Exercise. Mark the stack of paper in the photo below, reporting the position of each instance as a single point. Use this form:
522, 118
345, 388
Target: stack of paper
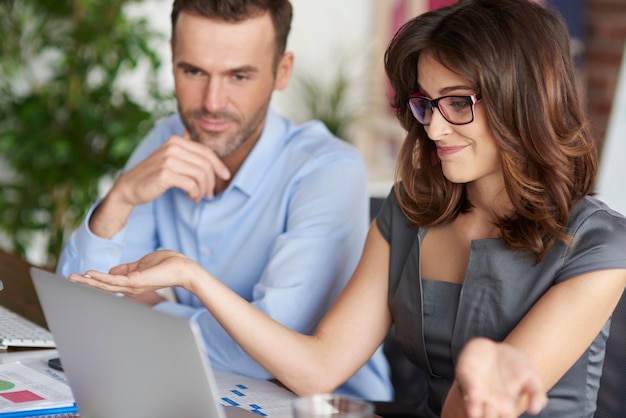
28, 392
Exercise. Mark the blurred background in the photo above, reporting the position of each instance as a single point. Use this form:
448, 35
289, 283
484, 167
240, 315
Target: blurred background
81, 82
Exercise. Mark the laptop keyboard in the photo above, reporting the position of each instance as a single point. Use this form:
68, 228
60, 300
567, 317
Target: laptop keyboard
17, 331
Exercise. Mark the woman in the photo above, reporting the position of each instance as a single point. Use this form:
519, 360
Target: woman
490, 230
493, 377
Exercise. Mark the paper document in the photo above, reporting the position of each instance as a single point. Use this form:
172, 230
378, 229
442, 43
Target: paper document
26, 389
262, 397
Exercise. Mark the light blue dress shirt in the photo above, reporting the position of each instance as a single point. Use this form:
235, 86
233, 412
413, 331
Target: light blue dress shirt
286, 234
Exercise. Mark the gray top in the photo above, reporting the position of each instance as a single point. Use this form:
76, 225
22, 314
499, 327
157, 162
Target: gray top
500, 287
441, 302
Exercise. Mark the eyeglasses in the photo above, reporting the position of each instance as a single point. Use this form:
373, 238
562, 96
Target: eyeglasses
458, 110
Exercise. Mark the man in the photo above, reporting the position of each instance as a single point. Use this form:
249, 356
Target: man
275, 211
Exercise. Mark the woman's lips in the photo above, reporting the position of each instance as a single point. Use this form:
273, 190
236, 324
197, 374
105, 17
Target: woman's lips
450, 150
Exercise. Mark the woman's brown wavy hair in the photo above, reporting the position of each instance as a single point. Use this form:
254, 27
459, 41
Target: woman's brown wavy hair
516, 55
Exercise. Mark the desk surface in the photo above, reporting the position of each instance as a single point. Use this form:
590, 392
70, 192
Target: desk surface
19, 292
20, 296
276, 401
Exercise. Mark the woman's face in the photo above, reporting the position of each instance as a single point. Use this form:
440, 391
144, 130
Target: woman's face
468, 153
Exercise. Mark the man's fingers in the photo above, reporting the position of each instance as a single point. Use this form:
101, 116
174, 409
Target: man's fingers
211, 162
219, 167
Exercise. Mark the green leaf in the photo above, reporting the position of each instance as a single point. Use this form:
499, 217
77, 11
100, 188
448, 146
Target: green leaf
64, 123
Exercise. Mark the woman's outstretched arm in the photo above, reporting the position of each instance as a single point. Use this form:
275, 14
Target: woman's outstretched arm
344, 340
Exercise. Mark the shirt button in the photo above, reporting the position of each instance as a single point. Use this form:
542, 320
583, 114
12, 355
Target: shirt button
113, 253
207, 252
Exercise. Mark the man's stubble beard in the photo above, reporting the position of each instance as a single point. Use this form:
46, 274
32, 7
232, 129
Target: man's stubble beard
212, 139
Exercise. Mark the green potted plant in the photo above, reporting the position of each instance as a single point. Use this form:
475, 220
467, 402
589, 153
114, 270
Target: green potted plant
65, 120
335, 99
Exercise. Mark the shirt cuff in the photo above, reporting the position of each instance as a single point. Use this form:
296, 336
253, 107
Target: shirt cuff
176, 309
89, 243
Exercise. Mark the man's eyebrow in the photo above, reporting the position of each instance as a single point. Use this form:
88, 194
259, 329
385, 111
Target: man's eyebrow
244, 69
186, 66
236, 70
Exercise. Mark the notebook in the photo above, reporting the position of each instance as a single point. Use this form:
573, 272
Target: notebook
125, 359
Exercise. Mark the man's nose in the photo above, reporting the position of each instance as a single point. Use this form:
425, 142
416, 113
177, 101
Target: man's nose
215, 96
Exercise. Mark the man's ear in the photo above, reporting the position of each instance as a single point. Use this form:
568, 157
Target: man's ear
172, 51
284, 70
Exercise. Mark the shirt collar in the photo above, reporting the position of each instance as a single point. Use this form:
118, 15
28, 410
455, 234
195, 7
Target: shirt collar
263, 154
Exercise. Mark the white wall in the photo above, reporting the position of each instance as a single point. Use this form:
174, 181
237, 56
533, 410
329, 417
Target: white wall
611, 186
322, 32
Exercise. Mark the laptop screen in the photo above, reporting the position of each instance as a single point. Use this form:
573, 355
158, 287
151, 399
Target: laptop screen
123, 358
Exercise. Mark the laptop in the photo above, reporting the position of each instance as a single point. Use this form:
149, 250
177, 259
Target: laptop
125, 359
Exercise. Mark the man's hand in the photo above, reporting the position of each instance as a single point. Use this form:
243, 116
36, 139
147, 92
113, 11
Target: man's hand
179, 162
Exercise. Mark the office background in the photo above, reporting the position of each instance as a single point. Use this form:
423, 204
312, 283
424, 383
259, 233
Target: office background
334, 39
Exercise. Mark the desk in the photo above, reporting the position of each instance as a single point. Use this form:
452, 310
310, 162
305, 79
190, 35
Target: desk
20, 296
19, 293
274, 398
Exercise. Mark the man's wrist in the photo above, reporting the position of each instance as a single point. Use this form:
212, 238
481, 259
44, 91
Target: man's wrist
109, 217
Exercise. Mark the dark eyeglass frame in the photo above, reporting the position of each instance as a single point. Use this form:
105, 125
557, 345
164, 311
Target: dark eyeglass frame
471, 99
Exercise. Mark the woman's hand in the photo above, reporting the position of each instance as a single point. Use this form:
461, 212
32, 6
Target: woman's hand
154, 271
496, 380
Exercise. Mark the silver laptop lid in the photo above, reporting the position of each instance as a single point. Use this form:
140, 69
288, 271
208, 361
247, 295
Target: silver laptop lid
124, 359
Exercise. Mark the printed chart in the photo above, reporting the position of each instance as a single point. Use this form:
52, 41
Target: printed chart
261, 397
25, 389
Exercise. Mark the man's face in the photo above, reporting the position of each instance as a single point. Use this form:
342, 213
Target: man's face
224, 75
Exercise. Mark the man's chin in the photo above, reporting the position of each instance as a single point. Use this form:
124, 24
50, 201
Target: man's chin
211, 139
219, 145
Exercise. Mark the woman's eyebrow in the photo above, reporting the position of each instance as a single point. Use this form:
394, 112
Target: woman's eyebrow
449, 89
445, 90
